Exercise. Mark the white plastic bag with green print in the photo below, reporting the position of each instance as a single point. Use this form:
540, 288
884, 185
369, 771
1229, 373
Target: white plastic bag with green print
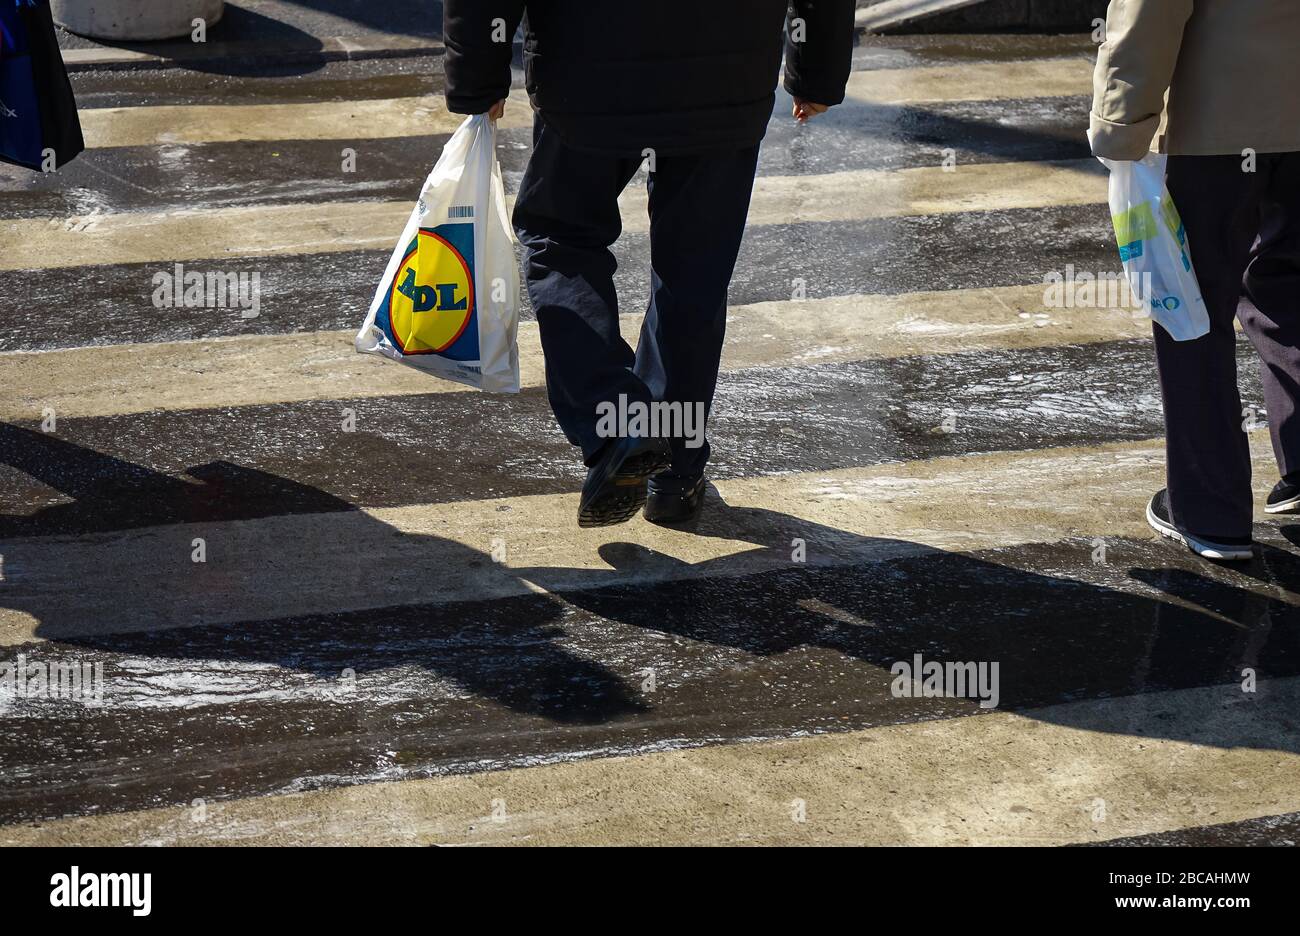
1153, 246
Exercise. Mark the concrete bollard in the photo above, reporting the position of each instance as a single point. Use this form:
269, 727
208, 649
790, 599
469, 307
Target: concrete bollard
134, 19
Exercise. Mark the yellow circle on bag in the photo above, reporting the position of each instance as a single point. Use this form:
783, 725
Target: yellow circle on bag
432, 299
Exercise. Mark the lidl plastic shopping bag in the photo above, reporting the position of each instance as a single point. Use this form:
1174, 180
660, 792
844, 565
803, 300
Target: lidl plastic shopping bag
1153, 246
449, 300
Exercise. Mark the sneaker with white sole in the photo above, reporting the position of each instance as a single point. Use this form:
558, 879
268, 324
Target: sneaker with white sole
1284, 498
1219, 547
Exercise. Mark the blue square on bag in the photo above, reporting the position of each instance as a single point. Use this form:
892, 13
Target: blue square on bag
1131, 251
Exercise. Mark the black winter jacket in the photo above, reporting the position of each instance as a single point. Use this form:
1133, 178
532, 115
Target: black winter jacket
625, 75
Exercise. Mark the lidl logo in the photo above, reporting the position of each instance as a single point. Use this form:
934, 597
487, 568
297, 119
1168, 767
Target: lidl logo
432, 298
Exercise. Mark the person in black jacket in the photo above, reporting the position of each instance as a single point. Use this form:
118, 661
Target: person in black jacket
690, 89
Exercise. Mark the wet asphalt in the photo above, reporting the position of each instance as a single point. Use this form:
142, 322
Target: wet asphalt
814, 418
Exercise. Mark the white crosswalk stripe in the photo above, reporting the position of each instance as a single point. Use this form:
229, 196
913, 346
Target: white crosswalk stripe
245, 370
182, 125
276, 230
875, 514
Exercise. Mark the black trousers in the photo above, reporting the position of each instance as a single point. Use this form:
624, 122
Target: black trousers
1242, 226
567, 217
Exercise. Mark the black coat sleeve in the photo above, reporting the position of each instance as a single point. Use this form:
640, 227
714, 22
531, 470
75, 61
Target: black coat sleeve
478, 64
817, 68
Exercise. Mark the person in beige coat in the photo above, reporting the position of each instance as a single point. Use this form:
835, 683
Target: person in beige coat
1215, 85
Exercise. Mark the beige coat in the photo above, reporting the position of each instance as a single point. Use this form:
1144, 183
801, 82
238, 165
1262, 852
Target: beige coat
1231, 69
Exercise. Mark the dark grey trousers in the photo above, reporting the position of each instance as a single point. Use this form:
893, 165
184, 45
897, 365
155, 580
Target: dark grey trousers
1242, 226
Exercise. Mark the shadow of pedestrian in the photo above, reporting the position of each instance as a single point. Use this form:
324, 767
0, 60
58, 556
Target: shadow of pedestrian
1060, 628
315, 585
318, 644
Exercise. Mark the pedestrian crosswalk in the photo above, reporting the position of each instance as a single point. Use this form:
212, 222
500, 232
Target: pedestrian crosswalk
338, 601
176, 236
106, 380
848, 516
182, 125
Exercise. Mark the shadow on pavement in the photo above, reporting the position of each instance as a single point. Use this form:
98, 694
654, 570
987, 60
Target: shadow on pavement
243, 43
409, 17
507, 655
1057, 638
1079, 634
461, 663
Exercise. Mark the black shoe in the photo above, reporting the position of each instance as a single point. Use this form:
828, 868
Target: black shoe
674, 507
1218, 547
616, 483
1285, 498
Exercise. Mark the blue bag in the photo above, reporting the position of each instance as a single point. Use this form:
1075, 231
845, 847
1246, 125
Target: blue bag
37, 108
